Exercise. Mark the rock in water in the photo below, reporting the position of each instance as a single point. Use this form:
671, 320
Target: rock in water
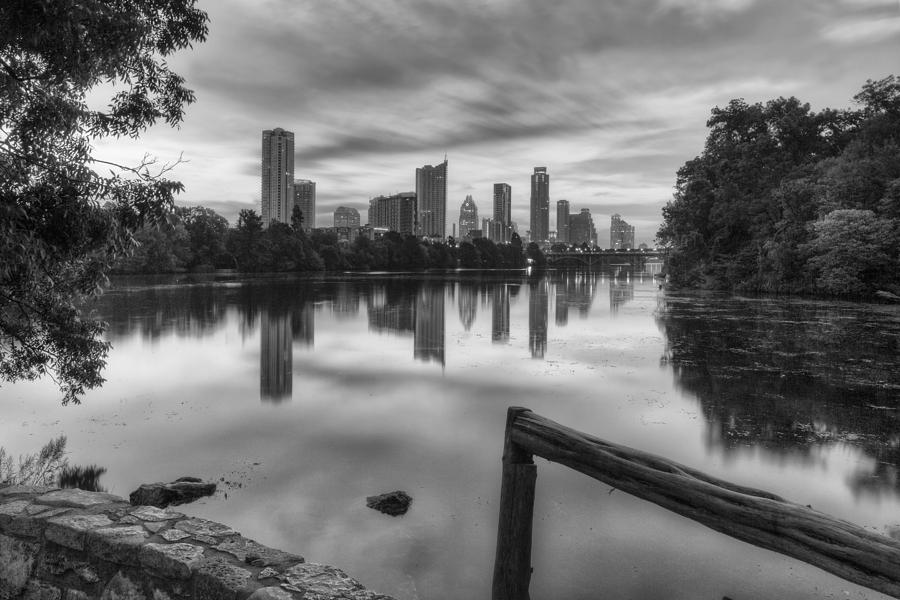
180, 491
392, 503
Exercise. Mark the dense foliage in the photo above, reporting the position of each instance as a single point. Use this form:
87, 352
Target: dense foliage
66, 215
200, 240
786, 199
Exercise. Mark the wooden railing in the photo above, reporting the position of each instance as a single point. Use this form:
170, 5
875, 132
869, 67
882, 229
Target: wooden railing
751, 515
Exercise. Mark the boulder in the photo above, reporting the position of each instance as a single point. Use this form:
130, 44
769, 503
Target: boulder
392, 503
180, 491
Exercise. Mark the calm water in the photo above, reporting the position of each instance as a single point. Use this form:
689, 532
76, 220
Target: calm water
303, 396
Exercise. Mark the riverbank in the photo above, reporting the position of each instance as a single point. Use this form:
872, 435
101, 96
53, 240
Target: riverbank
76, 545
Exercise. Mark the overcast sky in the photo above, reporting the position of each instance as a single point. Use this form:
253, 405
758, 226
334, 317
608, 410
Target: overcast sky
611, 96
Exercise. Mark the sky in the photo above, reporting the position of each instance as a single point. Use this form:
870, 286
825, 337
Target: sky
611, 96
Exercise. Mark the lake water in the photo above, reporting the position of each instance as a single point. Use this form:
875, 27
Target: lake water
302, 396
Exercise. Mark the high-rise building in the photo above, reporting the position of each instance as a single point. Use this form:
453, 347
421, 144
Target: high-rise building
621, 234
345, 216
431, 198
581, 228
562, 221
540, 205
305, 198
395, 213
468, 217
502, 221
277, 176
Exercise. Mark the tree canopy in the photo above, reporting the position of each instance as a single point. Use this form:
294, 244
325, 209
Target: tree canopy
65, 214
783, 196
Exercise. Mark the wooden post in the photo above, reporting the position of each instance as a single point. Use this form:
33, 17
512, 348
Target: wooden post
512, 563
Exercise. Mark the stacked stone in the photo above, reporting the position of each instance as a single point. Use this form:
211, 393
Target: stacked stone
76, 545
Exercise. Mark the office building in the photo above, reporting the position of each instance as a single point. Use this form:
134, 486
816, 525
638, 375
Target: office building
431, 199
345, 216
305, 198
562, 221
581, 228
468, 217
502, 218
277, 176
540, 205
394, 213
621, 234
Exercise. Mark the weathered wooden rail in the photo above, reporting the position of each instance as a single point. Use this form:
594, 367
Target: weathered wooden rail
751, 515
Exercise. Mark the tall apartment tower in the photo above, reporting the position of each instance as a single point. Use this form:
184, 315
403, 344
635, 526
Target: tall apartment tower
305, 198
431, 197
468, 217
621, 234
277, 175
540, 205
562, 221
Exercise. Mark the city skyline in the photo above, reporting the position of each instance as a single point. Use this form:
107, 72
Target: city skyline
613, 98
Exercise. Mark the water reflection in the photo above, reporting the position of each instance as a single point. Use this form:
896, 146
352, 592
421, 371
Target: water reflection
500, 313
403, 381
538, 314
621, 291
429, 333
792, 377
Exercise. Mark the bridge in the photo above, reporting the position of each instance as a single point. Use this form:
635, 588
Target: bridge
636, 260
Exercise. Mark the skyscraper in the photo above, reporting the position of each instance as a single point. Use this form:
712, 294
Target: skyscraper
431, 197
562, 221
468, 217
346, 217
502, 212
581, 228
305, 198
277, 175
621, 234
540, 205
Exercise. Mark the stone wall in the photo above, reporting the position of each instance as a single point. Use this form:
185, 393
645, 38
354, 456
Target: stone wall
76, 545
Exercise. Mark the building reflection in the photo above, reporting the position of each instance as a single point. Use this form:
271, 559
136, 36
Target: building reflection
500, 313
429, 333
574, 289
303, 324
391, 307
621, 290
404, 307
275, 356
538, 314
346, 300
468, 304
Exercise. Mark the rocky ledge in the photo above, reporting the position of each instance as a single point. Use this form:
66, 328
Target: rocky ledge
75, 545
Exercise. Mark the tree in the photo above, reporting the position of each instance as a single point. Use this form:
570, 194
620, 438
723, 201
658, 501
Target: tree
62, 223
207, 230
297, 218
853, 251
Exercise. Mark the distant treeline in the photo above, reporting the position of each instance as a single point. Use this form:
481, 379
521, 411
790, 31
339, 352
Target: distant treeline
202, 240
785, 199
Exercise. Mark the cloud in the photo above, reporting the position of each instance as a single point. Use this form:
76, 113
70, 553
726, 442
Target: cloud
863, 31
612, 96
